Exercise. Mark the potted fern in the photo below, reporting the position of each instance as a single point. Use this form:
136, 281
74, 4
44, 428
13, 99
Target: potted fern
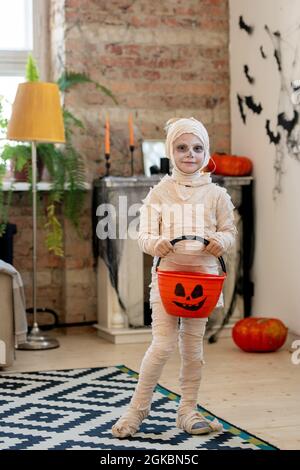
63, 163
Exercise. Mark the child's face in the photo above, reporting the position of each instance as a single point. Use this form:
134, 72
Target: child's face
188, 153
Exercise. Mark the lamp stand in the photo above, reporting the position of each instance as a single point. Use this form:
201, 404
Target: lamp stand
36, 339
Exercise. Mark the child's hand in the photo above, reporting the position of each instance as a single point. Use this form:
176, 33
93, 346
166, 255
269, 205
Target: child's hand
163, 247
214, 248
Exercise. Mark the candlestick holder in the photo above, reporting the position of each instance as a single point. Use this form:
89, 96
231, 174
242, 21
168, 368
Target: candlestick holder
107, 163
131, 148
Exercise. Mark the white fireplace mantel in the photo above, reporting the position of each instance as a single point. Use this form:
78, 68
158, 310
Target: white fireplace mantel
113, 322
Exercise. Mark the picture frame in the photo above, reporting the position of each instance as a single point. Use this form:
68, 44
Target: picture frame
153, 150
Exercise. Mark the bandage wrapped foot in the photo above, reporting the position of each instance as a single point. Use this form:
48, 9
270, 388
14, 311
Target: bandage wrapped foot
129, 423
194, 422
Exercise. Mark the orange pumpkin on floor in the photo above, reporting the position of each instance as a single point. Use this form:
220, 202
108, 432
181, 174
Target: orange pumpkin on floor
229, 165
259, 334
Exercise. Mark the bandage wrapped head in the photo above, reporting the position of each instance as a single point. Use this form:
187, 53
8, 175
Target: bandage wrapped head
176, 127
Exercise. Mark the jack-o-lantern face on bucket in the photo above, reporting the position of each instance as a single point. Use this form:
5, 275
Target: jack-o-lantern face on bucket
189, 301
190, 294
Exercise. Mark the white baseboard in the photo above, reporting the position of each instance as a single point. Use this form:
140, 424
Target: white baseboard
125, 335
144, 335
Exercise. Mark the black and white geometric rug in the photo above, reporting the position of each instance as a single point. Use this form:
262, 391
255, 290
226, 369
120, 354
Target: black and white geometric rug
75, 409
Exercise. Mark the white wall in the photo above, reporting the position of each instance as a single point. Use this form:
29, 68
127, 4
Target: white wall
276, 271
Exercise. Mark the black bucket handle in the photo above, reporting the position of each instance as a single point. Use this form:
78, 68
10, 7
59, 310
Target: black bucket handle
193, 237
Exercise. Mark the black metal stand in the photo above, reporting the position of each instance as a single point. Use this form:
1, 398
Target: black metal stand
243, 285
247, 215
46, 310
131, 148
107, 164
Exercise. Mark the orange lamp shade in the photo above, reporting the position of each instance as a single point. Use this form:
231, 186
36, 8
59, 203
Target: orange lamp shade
37, 114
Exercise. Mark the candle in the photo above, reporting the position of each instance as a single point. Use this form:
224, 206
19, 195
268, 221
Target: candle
131, 134
107, 136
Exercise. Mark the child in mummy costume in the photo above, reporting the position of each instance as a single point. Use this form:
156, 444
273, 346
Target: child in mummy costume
187, 145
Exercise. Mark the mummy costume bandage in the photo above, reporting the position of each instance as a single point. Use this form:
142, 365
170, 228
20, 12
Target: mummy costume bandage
218, 223
165, 335
175, 128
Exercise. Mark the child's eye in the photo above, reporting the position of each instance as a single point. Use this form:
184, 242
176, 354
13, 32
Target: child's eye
182, 148
198, 148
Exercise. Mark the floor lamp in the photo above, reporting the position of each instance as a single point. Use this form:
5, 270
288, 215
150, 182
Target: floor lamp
36, 117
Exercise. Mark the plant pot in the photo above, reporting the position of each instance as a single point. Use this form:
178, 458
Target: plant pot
22, 176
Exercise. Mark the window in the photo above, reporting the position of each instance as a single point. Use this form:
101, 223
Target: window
23, 29
16, 41
22, 25
16, 26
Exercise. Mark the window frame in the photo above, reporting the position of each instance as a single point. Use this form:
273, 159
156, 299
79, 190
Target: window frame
13, 62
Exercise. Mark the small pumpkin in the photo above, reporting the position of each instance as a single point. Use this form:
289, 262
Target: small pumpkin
229, 165
256, 334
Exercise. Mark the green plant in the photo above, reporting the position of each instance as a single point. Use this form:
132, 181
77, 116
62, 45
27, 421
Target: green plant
64, 164
32, 73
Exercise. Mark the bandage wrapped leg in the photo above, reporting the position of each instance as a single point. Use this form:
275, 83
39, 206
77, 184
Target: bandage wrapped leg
164, 331
191, 350
129, 423
193, 422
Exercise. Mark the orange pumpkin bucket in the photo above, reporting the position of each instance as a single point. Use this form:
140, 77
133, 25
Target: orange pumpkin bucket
190, 294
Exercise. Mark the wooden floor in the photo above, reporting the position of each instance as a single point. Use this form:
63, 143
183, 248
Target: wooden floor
257, 392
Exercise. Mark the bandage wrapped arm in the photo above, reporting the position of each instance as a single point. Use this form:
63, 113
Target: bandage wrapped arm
226, 230
149, 229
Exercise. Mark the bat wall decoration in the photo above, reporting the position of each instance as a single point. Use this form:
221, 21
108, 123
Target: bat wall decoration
249, 29
274, 139
249, 78
256, 108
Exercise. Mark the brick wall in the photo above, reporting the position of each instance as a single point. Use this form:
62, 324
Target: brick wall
66, 285
160, 59
49, 267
